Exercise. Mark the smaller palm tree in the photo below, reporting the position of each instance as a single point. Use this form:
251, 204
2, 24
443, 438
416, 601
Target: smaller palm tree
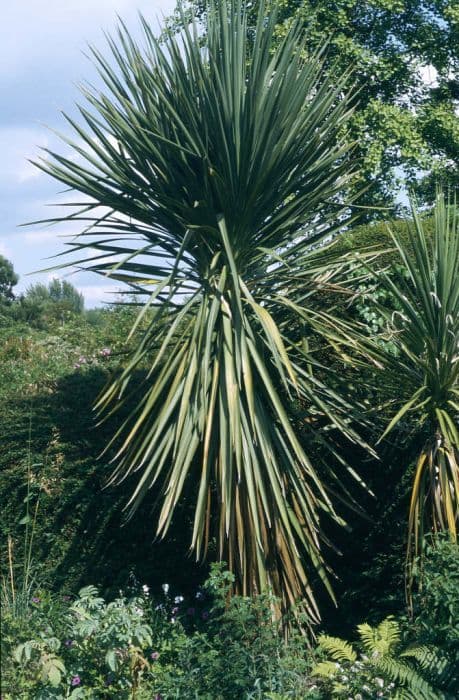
425, 331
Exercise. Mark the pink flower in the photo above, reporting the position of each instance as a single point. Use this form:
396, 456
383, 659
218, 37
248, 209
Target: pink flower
154, 655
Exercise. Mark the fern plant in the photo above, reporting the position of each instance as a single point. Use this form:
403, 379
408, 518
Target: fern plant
379, 666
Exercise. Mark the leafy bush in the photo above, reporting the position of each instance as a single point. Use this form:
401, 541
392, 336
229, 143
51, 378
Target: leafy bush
436, 605
134, 648
208, 647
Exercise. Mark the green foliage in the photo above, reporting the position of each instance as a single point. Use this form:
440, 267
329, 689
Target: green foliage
8, 280
43, 305
206, 646
136, 648
436, 605
402, 123
50, 381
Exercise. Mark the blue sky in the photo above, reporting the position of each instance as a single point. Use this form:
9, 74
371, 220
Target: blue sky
41, 61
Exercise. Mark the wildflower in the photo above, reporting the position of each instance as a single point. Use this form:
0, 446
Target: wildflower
380, 682
76, 680
165, 588
145, 589
191, 611
154, 655
199, 595
174, 611
68, 642
36, 600
178, 599
205, 615
82, 360
66, 598
138, 611
105, 352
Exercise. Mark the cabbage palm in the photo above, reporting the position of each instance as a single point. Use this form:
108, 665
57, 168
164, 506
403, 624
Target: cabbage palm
214, 173
425, 331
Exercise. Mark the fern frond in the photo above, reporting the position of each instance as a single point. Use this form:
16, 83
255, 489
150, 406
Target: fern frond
337, 648
416, 686
325, 669
380, 640
438, 667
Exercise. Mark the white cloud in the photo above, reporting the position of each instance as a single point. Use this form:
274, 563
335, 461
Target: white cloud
40, 237
5, 250
33, 31
18, 146
95, 295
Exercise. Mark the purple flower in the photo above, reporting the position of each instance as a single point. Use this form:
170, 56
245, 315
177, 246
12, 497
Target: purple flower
105, 352
69, 642
154, 655
76, 680
174, 611
36, 600
66, 598
205, 615
191, 611
158, 697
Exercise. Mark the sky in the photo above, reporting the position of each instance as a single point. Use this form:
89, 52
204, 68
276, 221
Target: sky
42, 45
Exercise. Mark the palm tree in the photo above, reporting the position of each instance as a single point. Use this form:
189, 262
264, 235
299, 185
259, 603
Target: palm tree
214, 172
425, 331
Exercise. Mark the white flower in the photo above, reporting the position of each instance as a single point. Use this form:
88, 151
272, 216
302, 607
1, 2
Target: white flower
178, 599
145, 589
380, 682
165, 588
139, 611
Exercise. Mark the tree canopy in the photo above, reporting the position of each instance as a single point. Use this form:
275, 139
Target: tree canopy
8, 280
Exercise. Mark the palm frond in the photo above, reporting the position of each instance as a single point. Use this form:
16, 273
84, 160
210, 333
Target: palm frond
213, 174
426, 332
